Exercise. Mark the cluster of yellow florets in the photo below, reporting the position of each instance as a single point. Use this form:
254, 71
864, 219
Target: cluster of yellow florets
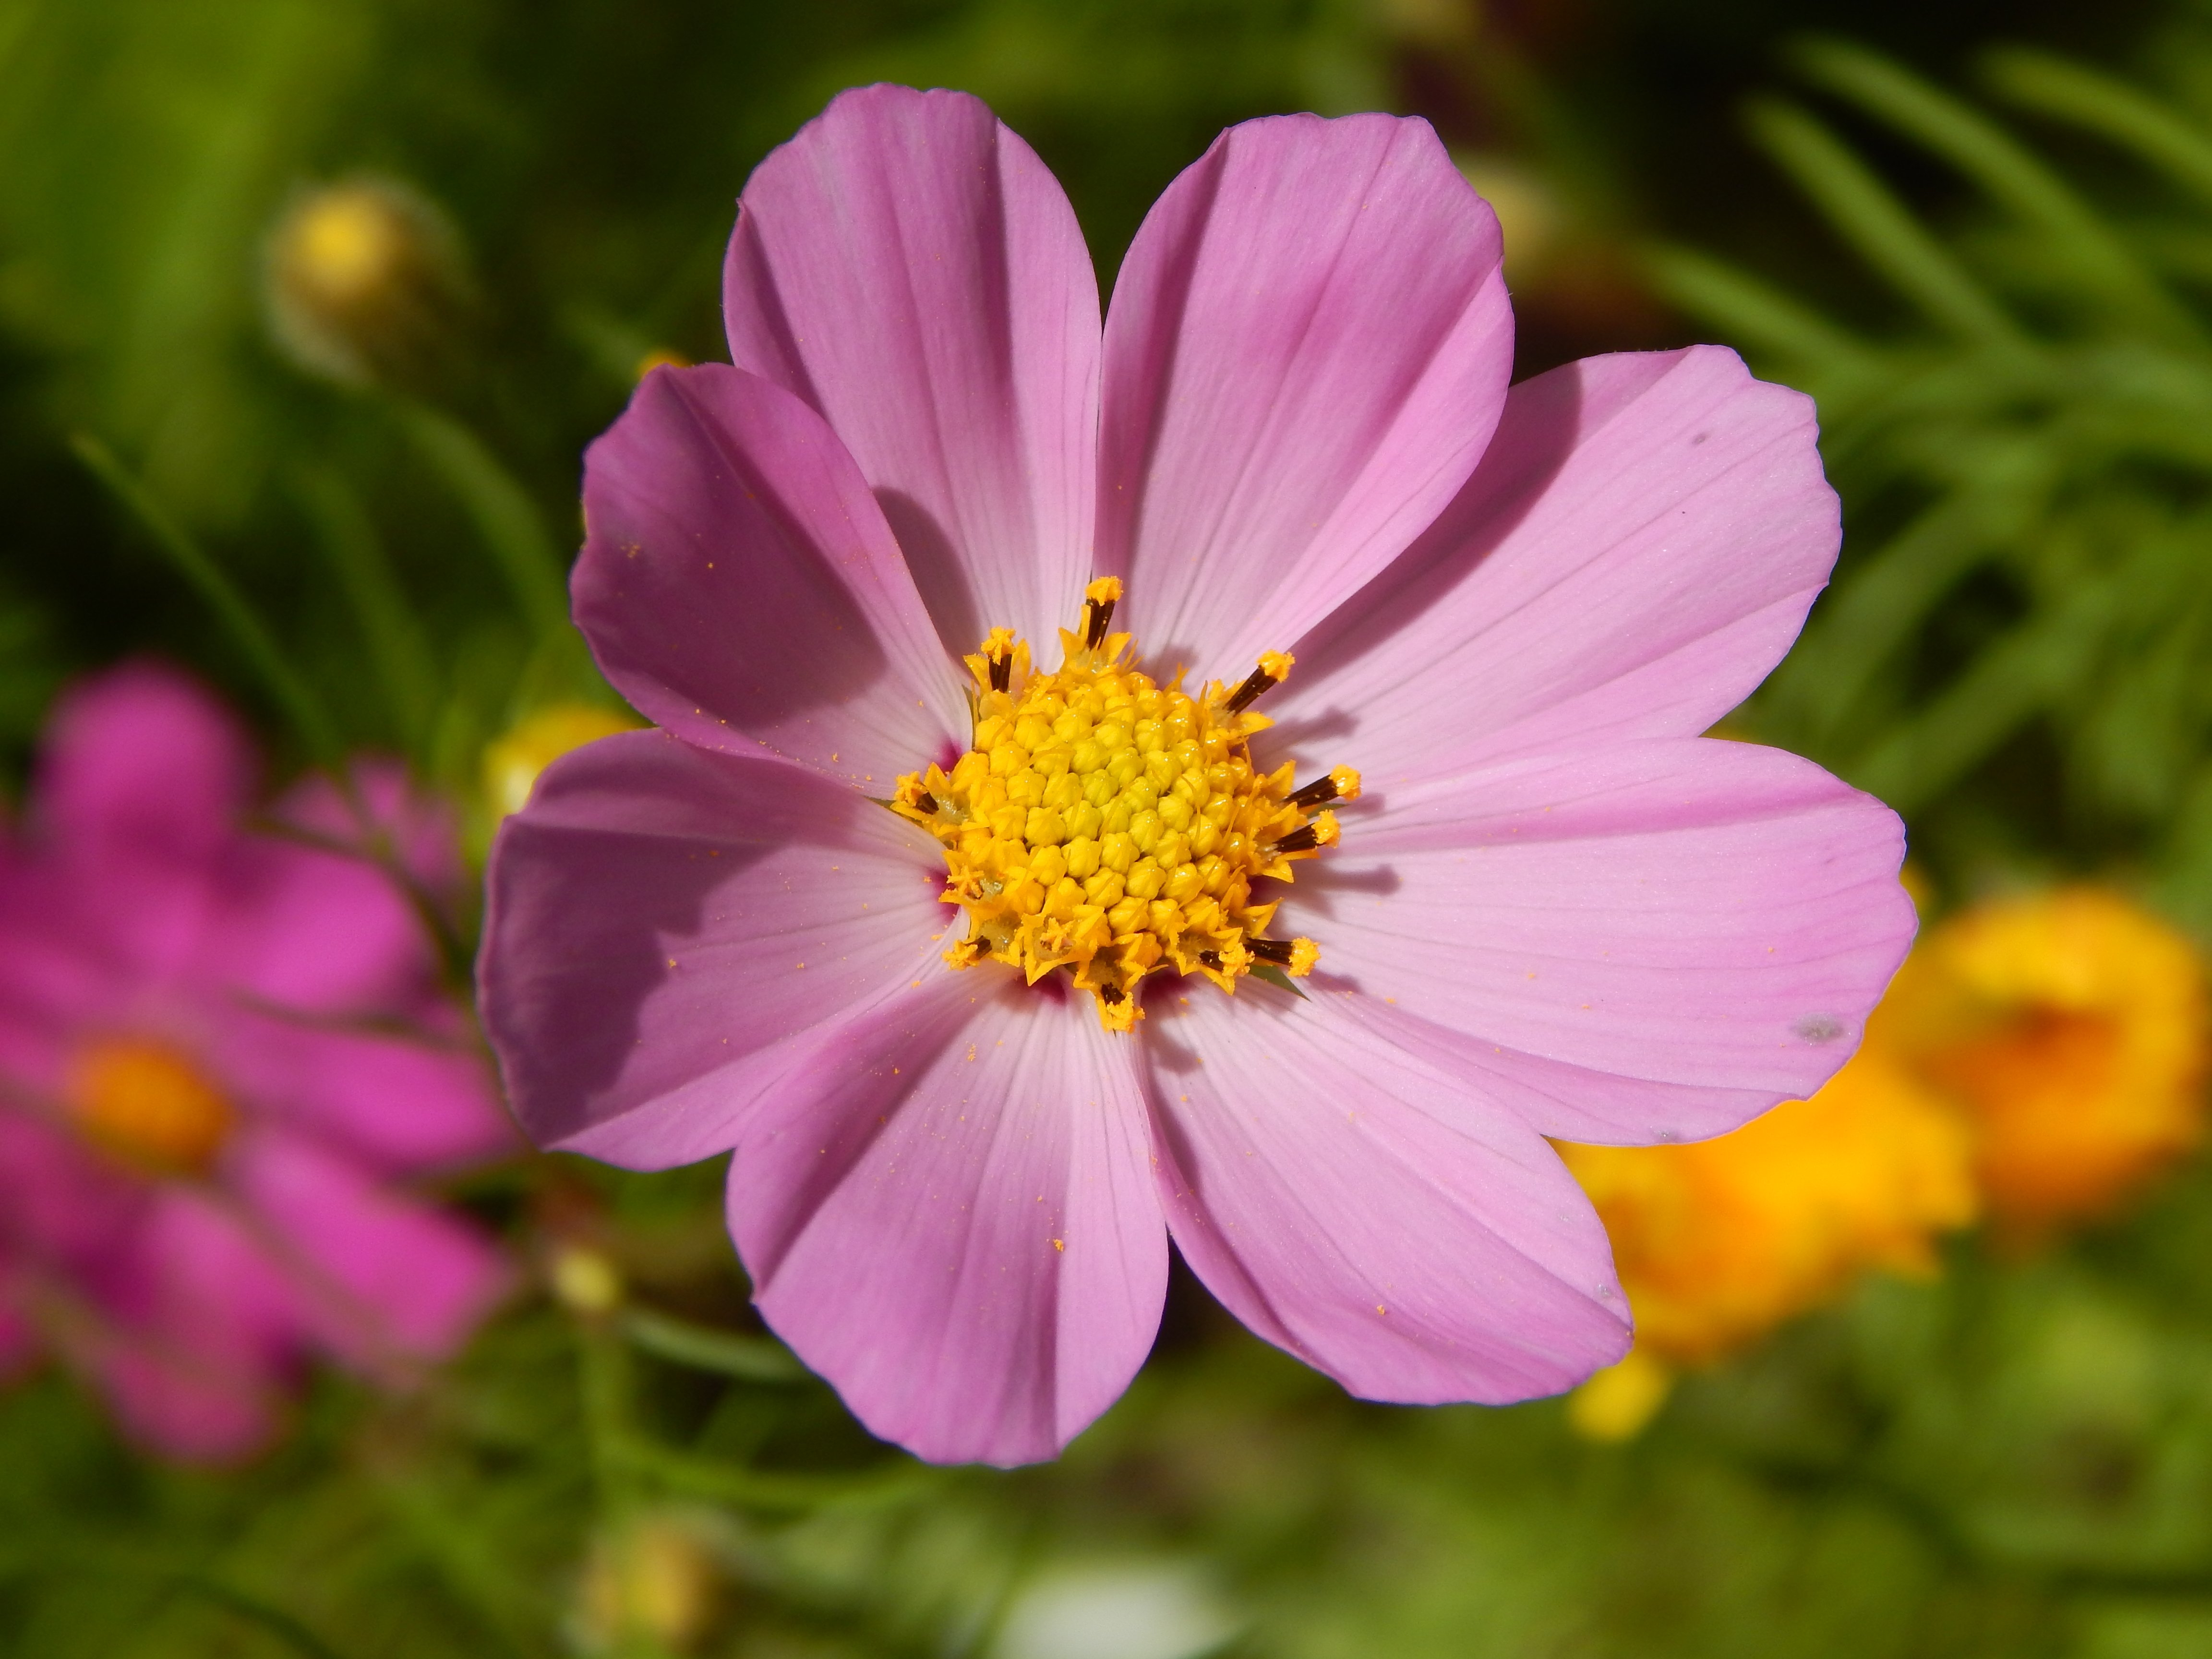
1110, 825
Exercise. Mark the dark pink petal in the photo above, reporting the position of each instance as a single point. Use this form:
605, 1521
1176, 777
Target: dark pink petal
1308, 348
1653, 943
1368, 1212
664, 925
1635, 552
310, 930
378, 1275
193, 1337
396, 1101
416, 827
740, 587
908, 266
143, 759
951, 1214
19, 1343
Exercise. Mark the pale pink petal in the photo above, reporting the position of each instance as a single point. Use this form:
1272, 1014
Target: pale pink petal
377, 1275
1307, 349
740, 586
660, 919
399, 1100
951, 1215
1633, 944
908, 266
141, 759
1374, 1216
1637, 550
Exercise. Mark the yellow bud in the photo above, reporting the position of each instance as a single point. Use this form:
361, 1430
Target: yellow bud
366, 283
512, 763
586, 1282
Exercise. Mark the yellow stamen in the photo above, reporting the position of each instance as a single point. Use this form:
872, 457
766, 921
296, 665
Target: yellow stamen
148, 1104
1112, 826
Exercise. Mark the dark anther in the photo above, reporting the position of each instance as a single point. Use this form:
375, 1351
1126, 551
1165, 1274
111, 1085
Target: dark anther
1002, 671
1211, 959
925, 802
1115, 996
1321, 789
1277, 951
1101, 614
1257, 681
1298, 841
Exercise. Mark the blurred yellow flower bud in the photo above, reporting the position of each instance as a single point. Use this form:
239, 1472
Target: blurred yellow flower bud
659, 1579
366, 282
2070, 1029
1618, 1401
585, 1281
512, 763
1531, 217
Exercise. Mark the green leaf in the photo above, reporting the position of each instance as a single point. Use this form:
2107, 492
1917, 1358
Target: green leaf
1985, 153
2099, 103
1874, 222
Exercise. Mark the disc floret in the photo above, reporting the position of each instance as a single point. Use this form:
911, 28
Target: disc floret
1106, 825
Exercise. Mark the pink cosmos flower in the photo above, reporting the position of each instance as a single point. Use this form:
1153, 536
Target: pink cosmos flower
971, 969
219, 1050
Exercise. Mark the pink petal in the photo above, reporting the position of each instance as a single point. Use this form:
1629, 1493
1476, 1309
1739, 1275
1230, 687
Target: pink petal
1635, 552
1377, 1218
309, 930
420, 829
196, 1348
951, 1215
910, 267
664, 925
397, 1101
143, 758
377, 1274
741, 588
1308, 348
1653, 943
19, 1343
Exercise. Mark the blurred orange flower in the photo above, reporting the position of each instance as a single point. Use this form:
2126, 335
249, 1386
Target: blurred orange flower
1719, 1241
2070, 1029
2037, 1059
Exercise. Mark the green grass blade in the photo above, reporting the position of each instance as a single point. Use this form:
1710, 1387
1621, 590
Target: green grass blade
310, 720
1877, 225
2099, 103
396, 646
1749, 311
2006, 170
504, 515
2028, 670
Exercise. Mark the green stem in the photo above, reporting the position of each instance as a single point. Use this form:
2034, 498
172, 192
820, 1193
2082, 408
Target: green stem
505, 517
750, 1358
309, 719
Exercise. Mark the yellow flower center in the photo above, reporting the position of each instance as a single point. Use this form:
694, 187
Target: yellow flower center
1112, 826
149, 1105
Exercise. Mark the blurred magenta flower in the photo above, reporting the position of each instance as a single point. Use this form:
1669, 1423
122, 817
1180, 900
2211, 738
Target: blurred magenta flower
220, 1049
1555, 908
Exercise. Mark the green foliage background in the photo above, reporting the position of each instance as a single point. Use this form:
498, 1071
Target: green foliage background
1992, 268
